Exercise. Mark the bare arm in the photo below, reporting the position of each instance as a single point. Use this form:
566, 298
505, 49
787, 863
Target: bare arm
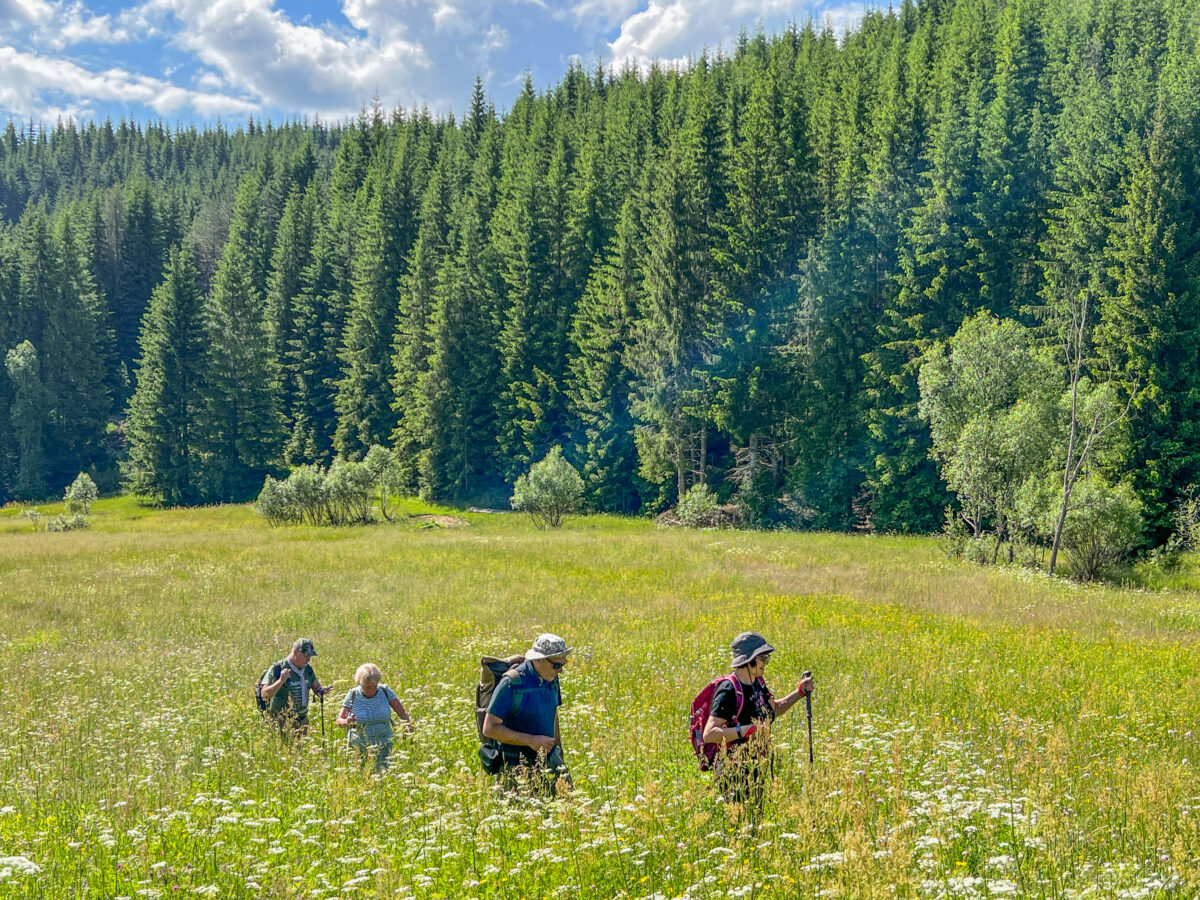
495, 729
783, 704
719, 731
270, 690
345, 717
399, 709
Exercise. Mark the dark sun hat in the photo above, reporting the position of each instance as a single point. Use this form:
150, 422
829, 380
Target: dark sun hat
746, 646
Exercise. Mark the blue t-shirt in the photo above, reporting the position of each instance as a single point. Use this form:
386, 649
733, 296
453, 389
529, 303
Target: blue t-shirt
526, 703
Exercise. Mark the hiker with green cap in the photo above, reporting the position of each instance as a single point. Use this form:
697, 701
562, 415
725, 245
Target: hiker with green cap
287, 686
740, 718
522, 717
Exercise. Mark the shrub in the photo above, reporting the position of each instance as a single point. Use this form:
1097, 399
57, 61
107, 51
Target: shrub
697, 507
65, 523
313, 496
348, 491
272, 503
82, 493
550, 490
1103, 527
384, 469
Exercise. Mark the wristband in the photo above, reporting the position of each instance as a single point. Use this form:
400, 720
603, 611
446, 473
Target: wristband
750, 730
738, 729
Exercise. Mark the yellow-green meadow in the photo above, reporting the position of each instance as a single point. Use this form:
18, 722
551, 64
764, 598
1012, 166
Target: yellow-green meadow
978, 732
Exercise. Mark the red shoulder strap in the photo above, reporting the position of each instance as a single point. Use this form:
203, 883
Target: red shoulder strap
739, 693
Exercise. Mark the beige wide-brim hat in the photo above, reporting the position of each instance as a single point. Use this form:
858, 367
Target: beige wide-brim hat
547, 645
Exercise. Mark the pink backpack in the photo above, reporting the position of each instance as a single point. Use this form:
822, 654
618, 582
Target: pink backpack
701, 707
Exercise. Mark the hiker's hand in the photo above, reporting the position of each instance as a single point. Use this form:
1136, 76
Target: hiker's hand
351, 719
541, 743
285, 675
806, 685
409, 728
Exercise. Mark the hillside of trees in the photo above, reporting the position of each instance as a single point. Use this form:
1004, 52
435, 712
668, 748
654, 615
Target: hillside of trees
725, 274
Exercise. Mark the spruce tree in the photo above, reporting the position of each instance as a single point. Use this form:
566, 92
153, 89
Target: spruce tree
387, 207
412, 339
537, 309
164, 447
241, 430
456, 391
28, 415
600, 380
140, 253
1147, 335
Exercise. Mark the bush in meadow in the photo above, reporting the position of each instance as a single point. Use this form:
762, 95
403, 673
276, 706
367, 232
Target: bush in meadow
67, 523
551, 490
697, 507
311, 495
81, 494
383, 467
1103, 527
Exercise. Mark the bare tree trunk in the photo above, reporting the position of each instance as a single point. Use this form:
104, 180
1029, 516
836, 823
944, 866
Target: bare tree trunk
1077, 451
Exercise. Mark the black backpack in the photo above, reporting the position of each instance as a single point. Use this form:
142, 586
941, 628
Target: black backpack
271, 673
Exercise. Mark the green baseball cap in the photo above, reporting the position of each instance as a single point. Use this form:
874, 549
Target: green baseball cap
305, 646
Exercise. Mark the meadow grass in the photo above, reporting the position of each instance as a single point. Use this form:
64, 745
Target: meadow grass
978, 732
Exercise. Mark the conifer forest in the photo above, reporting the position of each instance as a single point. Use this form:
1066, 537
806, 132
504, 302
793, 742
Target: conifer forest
726, 273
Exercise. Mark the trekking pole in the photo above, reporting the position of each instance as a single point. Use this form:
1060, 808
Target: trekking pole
808, 706
325, 744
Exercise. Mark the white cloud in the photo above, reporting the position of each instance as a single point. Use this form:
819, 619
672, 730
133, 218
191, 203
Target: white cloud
28, 77
601, 15
25, 12
75, 25
259, 51
674, 30
495, 39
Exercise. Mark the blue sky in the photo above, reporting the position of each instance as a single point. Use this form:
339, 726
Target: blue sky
194, 61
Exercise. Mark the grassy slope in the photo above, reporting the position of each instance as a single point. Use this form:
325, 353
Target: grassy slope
978, 732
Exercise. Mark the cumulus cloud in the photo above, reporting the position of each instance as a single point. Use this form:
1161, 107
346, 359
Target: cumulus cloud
259, 51
674, 30
29, 78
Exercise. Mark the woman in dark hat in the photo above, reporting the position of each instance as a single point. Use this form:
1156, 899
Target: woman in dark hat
743, 709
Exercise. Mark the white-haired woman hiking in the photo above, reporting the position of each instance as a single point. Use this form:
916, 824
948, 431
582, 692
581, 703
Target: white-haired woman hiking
367, 713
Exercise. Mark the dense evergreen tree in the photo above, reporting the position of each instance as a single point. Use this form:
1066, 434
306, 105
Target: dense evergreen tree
164, 448
241, 429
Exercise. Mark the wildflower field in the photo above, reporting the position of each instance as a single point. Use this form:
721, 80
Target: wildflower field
978, 733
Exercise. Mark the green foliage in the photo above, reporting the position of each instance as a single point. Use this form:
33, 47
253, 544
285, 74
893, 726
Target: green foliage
81, 494
726, 273
62, 523
550, 490
991, 401
28, 413
312, 495
697, 507
166, 409
1103, 528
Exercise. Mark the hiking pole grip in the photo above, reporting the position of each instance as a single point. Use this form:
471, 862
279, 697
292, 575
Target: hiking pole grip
808, 708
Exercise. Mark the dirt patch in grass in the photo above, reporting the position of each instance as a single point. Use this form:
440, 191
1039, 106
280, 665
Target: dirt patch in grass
431, 521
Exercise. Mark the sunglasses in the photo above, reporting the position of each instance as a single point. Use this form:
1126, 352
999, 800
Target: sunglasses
557, 666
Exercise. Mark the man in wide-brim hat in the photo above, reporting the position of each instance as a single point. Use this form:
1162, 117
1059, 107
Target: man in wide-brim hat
523, 714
